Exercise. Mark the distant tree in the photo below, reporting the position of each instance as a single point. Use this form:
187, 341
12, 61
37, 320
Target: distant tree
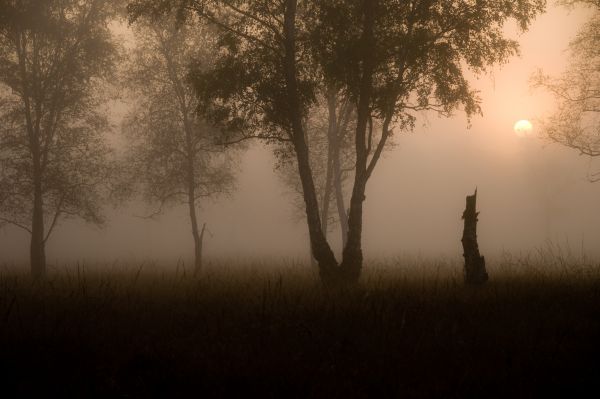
55, 57
576, 121
328, 129
172, 152
391, 58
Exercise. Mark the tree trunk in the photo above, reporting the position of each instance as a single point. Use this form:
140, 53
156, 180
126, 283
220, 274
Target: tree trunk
352, 256
326, 201
37, 250
38, 242
313, 261
331, 132
198, 250
320, 247
349, 270
341, 208
475, 272
333, 141
337, 184
38, 245
198, 236
342, 118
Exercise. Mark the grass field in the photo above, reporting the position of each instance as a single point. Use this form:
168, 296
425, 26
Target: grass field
412, 329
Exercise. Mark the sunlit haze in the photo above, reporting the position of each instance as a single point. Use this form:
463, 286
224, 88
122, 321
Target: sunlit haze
530, 191
299, 199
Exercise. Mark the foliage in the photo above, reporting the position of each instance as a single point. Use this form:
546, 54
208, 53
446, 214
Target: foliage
390, 58
576, 121
256, 103
419, 52
420, 49
172, 152
55, 60
324, 146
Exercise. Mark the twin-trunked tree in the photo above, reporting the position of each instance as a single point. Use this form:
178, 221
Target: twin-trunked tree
55, 60
391, 58
329, 134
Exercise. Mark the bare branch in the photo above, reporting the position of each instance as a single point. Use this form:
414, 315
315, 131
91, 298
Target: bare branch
256, 19
57, 213
255, 136
222, 25
19, 225
385, 133
163, 201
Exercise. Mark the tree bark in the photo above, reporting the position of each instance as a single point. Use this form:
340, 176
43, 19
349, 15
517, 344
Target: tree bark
335, 143
326, 201
329, 177
38, 245
198, 250
349, 270
313, 261
475, 272
339, 200
320, 247
198, 237
37, 250
352, 256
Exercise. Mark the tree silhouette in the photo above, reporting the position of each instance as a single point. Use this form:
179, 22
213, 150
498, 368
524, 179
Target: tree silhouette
328, 129
172, 155
391, 58
54, 58
576, 121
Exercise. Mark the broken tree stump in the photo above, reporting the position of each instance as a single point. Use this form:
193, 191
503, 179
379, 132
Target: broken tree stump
475, 272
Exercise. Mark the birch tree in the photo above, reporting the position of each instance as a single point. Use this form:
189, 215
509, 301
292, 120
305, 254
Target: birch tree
575, 122
391, 58
172, 153
55, 59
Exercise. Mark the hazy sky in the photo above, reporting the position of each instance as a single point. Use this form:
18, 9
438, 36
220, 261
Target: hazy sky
529, 191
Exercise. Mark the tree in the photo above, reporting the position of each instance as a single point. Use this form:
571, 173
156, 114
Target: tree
391, 58
54, 59
329, 138
576, 121
172, 152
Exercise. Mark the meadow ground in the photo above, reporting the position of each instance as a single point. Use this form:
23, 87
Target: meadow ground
412, 329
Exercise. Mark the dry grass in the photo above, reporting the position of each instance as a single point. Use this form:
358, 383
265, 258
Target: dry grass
411, 329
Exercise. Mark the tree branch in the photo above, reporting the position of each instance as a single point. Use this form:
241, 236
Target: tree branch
255, 18
228, 28
56, 216
385, 133
256, 136
9, 221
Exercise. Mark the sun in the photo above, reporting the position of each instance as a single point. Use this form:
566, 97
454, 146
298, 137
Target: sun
523, 128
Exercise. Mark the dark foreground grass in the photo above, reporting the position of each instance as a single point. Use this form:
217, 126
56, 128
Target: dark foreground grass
411, 330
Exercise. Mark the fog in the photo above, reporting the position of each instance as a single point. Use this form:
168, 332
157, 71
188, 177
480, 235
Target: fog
529, 191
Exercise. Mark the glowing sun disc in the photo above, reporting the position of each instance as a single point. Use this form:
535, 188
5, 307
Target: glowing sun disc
523, 128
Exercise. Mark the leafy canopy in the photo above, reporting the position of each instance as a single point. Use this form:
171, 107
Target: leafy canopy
55, 58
